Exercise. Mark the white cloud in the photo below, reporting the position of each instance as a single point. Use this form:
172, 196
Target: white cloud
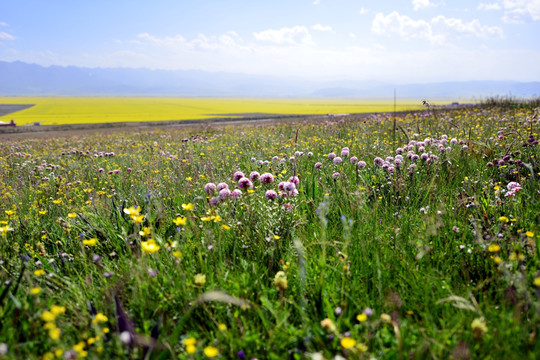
363, 11
6, 36
316, 2
292, 36
320, 27
352, 36
3, 23
419, 4
516, 11
438, 30
491, 6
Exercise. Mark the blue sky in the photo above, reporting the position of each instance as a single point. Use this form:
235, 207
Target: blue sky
399, 41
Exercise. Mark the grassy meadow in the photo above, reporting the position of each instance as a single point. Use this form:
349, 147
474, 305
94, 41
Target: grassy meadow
345, 238
89, 110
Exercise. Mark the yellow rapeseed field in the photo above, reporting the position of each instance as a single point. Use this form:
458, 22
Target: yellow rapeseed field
83, 110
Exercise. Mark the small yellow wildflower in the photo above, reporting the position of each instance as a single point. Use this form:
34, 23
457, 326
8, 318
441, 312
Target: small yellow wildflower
57, 201
497, 260
504, 219
99, 318
277, 237
42, 212
536, 281
362, 347
9, 212
222, 327
72, 215
35, 291
39, 272
361, 317
479, 327
206, 218
90, 242
133, 211
58, 310
188, 206
180, 221
226, 227
211, 351
494, 248
386, 318
189, 178
189, 341
145, 231
280, 280
150, 246
199, 279
138, 219
48, 316
54, 334
347, 342
529, 234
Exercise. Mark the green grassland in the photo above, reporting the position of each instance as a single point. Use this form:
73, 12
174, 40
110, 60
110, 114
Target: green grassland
349, 237
86, 110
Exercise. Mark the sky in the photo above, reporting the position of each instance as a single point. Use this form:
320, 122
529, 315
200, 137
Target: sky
400, 41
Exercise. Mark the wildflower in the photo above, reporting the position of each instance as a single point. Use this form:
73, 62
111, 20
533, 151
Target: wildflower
529, 234
335, 175
254, 176
270, 194
99, 318
224, 194
222, 327
267, 178
180, 221
331, 156
214, 201
238, 175
58, 310
132, 211
361, 164
177, 254
328, 324
48, 316
145, 231
378, 161
347, 342
211, 351
494, 248
72, 215
504, 219
57, 201
345, 152
138, 219
536, 281
295, 180
361, 317
210, 188
189, 343
318, 165
188, 206
150, 246
90, 242
199, 279
280, 280
35, 290
479, 327
54, 333
39, 272
337, 160
226, 227
386, 318
245, 183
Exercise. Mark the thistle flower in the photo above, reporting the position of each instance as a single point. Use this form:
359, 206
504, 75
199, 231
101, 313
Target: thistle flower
361, 164
254, 176
335, 175
270, 194
224, 194
353, 159
378, 161
222, 186
235, 194
318, 165
245, 183
331, 156
238, 175
295, 180
337, 160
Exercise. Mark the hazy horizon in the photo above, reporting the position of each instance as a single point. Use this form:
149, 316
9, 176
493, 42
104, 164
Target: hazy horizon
418, 41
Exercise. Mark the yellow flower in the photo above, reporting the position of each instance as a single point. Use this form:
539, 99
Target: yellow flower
180, 221
145, 231
361, 347
280, 280
90, 242
54, 334
72, 215
206, 218
276, 237
138, 218
42, 212
177, 254
211, 351
386, 318
58, 310
99, 318
48, 316
328, 324
226, 227
9, 212
35, 291
361, 317
479, 326
150, 246
39, 272
529, 234
190, 349
494, 248
133, 211
199, 279
222, 327
189, 178
188, 207
536, 281
347, 342
497, 260
189, 341
504, 219
58, 201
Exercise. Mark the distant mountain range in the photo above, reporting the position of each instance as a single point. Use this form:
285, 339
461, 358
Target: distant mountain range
22, 79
